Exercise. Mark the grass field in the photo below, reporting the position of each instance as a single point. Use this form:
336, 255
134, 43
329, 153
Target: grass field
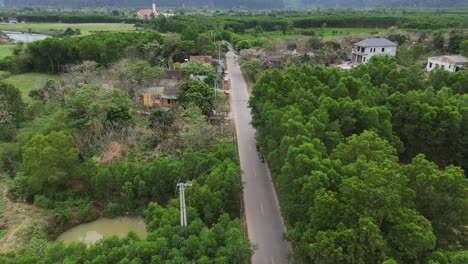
29, 81
5, 50
86, 28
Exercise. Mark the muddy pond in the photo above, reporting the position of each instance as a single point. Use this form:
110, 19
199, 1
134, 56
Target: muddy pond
91, 232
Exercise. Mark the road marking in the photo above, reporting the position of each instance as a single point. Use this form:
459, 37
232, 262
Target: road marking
261, 208
272, 260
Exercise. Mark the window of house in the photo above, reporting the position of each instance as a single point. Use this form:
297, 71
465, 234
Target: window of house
364, 59
383, 49
450, 66
430, 65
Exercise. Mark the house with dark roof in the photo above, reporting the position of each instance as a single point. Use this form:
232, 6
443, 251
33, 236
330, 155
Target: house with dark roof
450, 63
364, 50
172, 75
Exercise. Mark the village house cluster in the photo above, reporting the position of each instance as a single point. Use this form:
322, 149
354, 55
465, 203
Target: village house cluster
364, 50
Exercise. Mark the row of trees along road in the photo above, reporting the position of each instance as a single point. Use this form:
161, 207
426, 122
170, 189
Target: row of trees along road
368, 163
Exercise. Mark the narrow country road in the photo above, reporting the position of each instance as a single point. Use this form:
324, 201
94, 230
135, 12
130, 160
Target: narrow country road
264, 222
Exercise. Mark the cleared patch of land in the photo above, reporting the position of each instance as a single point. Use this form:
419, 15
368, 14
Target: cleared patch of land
5, 50
18, 221
29, 81
85, 28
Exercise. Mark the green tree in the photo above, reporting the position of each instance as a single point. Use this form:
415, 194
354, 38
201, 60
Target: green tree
253, 67
196, 67
258, 30
11, 111
438, 41
51, 162
464, 48
204, 44
197, 93
91, 104
441, 196
455, 39
417, 51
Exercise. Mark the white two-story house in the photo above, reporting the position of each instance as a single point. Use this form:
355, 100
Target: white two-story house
364, 50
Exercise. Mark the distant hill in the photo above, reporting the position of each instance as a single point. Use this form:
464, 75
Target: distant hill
251, 4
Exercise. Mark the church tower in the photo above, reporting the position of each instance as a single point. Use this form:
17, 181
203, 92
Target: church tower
155, 12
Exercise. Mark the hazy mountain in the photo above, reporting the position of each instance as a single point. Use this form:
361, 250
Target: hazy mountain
254, 4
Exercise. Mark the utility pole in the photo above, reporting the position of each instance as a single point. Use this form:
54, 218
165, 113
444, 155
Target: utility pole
183, 213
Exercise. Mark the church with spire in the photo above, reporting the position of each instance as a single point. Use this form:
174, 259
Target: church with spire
146, 13
149, 13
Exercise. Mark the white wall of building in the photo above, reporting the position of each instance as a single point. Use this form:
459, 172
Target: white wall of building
369, 52
433, 63
379, 51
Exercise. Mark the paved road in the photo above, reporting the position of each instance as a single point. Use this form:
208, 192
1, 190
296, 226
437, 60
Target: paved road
264, 222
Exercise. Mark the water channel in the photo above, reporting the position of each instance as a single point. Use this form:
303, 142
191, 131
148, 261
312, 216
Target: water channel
92, 232
17, 37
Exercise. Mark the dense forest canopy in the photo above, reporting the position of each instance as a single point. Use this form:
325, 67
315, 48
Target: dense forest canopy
255, 4
375, 156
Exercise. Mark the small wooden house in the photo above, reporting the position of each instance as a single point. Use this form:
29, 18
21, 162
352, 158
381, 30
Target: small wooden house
165, 95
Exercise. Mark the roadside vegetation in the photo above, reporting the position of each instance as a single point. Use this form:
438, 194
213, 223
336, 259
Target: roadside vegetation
376, 156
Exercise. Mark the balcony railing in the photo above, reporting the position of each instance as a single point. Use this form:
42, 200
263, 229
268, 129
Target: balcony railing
355, 51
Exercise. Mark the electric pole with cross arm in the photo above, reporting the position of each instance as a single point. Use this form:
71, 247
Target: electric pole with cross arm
183, 213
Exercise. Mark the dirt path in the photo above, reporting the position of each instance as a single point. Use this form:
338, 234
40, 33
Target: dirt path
20, 220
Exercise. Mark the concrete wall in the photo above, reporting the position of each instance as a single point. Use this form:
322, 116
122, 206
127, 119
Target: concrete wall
378, 51
432, 64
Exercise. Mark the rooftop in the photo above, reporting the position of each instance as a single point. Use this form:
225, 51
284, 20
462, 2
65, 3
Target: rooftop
145, 12
453, 59
172, 74
376, 42
169, 82
199, 77
205, 59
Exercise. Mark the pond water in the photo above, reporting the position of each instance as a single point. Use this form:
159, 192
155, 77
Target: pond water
24, 37
90, 233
